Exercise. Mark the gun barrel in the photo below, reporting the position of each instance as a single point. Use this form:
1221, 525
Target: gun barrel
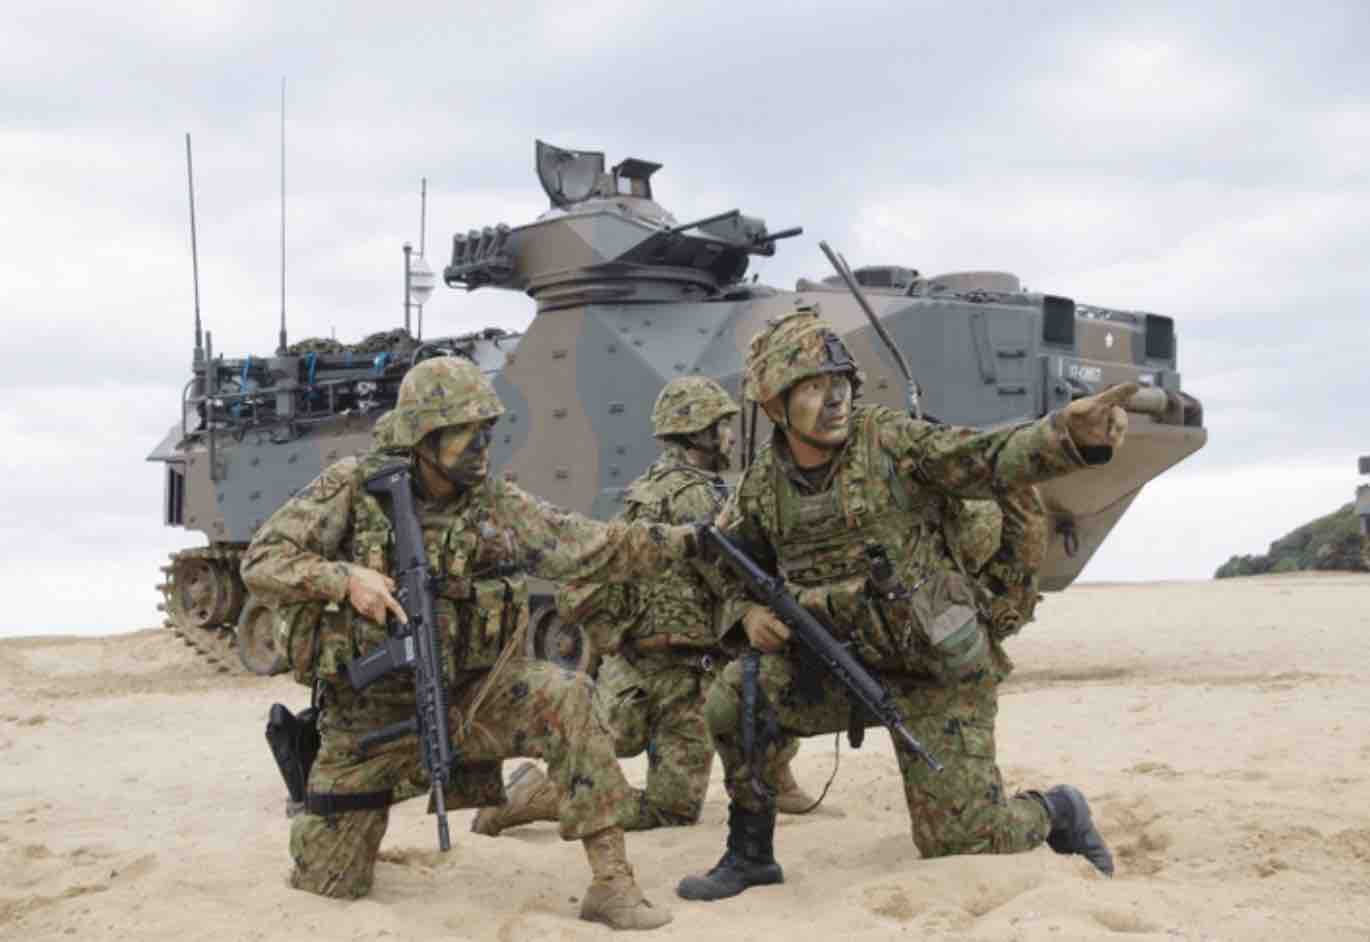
716, 217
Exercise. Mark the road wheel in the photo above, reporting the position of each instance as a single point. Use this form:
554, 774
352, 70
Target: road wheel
257, 640
557, 641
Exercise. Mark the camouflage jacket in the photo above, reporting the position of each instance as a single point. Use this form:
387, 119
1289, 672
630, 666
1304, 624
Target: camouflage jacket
682, 600
480, 545
894, 483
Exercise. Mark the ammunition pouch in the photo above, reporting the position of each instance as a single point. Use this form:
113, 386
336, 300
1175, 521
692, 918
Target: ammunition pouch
294, 742
935, 625
300, 628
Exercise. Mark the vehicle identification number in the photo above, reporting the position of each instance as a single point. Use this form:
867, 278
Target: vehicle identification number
1083, 372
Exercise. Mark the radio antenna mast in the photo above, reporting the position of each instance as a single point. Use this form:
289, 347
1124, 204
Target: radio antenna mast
280, 350
423, 214
194, 254
423, 238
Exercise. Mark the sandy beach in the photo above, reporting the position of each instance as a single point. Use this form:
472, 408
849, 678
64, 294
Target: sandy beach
1219, 728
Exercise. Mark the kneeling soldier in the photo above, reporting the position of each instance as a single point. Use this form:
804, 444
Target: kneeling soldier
332, 544
838, 488
652, 687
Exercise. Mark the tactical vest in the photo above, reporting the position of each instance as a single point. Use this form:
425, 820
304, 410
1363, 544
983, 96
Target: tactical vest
821, 545
680, 601
481, 598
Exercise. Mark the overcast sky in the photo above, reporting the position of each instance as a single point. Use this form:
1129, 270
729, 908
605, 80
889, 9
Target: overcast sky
1211, 164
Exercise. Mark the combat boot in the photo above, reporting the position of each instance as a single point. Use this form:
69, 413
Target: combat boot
532, 797
749, 859
790, 795
1072, 827
614, 898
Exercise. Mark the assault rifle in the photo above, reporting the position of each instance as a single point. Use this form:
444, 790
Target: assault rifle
414, 646
771, 592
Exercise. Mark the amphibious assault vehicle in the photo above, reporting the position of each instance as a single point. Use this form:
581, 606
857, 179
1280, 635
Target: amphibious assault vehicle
627, 297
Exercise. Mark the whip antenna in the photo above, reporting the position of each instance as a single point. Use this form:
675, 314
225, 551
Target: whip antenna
194, 254
418, 277
280, 351
845, 273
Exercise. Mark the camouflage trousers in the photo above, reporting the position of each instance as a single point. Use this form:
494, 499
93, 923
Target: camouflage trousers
961, 810
655, 703
534, 709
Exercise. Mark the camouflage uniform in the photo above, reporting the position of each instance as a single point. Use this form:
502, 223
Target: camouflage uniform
896, 482
662, 632
816, 538
654, 696
480, 544
1003, 543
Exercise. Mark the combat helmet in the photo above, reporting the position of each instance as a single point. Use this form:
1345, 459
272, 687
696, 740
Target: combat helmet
689, 404
441, 391
793, 348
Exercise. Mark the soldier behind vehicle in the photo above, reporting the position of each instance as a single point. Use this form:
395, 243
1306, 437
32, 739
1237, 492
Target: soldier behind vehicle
838, 488
661, 634
326, 558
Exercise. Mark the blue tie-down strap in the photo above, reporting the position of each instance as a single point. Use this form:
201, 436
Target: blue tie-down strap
243, 380
380, 363
311, 365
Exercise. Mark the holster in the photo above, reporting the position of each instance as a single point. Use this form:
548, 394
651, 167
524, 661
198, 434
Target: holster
294, 742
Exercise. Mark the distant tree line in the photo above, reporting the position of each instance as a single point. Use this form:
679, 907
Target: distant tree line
1332, 542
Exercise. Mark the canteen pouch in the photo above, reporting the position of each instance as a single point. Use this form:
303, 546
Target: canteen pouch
934, 622
315, 639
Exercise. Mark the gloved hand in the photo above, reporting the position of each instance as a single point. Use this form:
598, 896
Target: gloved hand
371, 594
1099, 421
765, 631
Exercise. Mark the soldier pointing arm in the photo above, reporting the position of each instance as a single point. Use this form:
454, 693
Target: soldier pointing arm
837, 481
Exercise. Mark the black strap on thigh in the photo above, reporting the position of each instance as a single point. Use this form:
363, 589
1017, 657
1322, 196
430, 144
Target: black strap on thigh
329, 804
